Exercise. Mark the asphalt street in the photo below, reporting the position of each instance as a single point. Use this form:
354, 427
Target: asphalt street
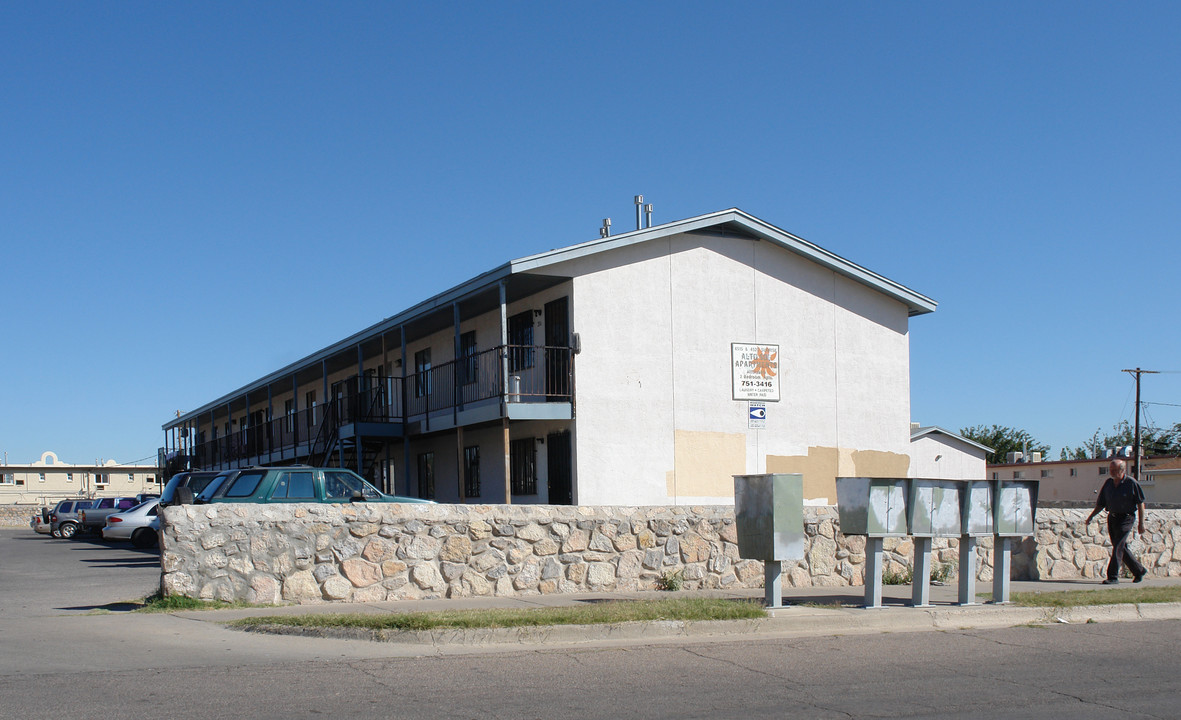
59, 659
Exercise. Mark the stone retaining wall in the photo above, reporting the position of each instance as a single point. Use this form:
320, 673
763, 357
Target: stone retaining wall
365, 553
17, 515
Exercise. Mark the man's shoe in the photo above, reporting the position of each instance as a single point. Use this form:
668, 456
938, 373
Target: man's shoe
1111, 581
1138, 578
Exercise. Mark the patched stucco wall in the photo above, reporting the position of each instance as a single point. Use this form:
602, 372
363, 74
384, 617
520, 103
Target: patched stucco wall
655, 402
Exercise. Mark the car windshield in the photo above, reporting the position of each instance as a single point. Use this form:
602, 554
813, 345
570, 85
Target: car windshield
341, 484
244, 485
143, 504
211, 488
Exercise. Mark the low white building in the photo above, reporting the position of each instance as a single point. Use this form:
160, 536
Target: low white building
49, 479
646, 368
936, 453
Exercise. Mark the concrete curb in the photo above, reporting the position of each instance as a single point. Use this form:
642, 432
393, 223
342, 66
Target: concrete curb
783, 622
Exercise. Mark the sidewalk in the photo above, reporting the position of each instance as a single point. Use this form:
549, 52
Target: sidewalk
808, 612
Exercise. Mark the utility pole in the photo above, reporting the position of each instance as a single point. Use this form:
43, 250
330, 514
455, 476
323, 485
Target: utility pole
1136, 438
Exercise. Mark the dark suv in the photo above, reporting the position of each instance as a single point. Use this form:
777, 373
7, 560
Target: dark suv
294, 484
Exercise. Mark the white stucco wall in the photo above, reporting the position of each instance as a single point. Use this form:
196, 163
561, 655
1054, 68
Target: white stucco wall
939, 456
656, 419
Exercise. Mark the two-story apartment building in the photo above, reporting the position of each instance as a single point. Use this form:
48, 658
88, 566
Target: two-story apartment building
643, 368
48, 479
1079, 480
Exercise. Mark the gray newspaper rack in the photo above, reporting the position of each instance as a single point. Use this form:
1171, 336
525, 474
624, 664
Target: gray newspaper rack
769, 518
979, 521
935, 510
876, 508
1014, 515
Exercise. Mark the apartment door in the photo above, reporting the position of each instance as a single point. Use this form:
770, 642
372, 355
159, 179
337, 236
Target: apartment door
560, 468
557, 350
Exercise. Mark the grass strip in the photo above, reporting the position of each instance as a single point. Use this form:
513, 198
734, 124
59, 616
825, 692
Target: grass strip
1078, 598
684, 609
158, 603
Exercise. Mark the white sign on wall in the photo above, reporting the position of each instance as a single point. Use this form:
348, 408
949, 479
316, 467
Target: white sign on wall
755, 371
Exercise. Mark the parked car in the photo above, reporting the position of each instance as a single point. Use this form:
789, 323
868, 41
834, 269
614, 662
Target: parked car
93, 518
64, 518
40, 522
195, 480
133, 524
296, 484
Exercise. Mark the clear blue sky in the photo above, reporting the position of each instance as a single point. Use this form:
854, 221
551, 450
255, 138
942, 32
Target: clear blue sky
194, 194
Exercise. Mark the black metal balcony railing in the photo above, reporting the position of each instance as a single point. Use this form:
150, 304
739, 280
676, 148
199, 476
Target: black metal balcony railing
535, 374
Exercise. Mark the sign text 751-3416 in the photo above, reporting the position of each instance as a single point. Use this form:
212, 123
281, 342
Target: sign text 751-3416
755, 371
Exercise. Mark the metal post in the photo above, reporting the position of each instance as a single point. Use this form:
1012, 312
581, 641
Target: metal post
773, 583
873, 572
1001, 562
920, 582
968, 570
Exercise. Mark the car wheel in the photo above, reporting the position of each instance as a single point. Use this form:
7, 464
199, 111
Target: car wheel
55, 533
67, 530
143, 538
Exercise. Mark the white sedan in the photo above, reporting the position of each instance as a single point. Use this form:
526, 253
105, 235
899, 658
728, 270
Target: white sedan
134, 524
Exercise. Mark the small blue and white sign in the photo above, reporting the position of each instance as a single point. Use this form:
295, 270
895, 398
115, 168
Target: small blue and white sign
757, 415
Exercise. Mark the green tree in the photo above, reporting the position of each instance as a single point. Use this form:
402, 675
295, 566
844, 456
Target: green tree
1003, 440
1154, 440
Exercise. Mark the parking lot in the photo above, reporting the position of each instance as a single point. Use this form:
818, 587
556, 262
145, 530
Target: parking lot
40, 575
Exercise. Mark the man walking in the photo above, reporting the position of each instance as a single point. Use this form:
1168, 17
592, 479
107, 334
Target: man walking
1122, 498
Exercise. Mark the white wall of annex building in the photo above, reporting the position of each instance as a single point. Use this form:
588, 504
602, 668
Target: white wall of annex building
940, 457
657, 422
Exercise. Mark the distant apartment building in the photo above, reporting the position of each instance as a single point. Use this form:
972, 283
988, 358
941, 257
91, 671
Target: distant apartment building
49, 479
645, 368
1080, 480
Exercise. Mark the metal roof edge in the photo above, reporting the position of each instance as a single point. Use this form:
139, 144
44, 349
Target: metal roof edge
932, 429
917, 303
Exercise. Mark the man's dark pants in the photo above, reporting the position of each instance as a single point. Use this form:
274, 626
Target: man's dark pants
1119, 527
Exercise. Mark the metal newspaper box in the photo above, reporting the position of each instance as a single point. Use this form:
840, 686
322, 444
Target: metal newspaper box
1014, 515
876, 508
936, 509
979, 520
769, 518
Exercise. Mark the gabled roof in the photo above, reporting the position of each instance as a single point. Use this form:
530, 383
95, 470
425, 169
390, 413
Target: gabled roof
736, 219
935, 429
527, 275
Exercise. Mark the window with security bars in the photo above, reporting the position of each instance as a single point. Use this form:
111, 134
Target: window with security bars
467, 355
520, 340
471, 472
523, 463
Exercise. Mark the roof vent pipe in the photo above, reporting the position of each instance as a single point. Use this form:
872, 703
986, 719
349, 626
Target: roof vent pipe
648, 215
639, 204
605, 231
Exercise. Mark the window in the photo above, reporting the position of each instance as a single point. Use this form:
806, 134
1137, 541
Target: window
289, 413
102, 480
342, 484
1047, 473
130, 477
1074, 472
1102, 471
523, 460
295, 486
1018, 474
467, 355
996, 476
422, 373
69, 477
309, 404
520, 340
7, 479
40, 477
471, 472
244, 485
426, 476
